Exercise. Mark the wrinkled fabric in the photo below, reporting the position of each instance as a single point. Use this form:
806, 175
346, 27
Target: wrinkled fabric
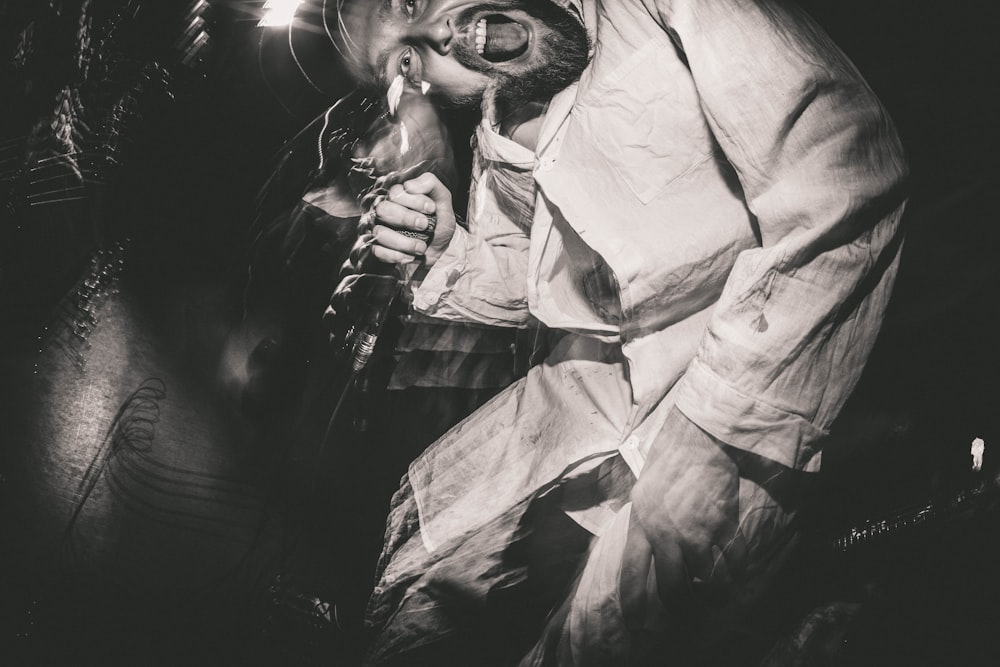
481, 278
439, 353
766, 188
733, 173
579, 392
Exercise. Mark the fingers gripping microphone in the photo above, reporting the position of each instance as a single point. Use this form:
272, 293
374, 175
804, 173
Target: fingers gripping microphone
409, 140
380, 302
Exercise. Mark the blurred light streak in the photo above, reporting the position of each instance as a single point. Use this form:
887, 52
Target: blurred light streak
56, 201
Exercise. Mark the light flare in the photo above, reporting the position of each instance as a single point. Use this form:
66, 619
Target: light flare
394, 94
279, 13
404, 139
977, 451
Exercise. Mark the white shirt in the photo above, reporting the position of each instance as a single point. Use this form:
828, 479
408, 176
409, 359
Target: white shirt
743, 185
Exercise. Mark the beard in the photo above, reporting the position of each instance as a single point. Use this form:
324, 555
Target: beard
562, 53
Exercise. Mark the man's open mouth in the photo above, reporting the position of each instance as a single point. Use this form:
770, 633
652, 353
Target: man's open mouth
500, 38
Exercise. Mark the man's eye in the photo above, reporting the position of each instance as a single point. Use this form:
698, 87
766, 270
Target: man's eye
410, 7
409, 66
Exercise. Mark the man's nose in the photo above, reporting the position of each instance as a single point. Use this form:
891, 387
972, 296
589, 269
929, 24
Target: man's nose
436, 33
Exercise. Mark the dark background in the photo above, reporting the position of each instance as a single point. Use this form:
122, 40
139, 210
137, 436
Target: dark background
179, 176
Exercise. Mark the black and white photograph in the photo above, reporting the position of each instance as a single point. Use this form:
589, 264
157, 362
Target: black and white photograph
499, 333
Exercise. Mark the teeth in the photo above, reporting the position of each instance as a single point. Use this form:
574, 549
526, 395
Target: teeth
480, 36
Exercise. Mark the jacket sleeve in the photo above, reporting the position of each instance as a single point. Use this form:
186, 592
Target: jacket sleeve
822, 172
481, 277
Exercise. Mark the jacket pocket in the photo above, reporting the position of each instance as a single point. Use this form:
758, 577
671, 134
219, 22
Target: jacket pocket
645, 118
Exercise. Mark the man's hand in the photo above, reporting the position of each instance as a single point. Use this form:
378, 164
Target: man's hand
686, 505
407, 207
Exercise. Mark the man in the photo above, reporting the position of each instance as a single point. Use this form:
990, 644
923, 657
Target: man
702, 200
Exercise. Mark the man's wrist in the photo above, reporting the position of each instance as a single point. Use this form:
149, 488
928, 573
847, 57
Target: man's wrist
714, 452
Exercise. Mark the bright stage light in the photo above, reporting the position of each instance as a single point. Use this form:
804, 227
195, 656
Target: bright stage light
279, 12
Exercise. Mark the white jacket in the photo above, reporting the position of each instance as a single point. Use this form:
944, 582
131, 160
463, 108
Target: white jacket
743, 184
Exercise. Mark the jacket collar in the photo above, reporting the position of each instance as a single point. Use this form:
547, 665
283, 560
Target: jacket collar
562, 103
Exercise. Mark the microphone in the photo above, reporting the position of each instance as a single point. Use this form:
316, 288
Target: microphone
380, 301
409, 140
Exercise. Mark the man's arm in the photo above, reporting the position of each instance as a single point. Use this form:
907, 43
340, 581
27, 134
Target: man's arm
822, 171
480, 276
476, 274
